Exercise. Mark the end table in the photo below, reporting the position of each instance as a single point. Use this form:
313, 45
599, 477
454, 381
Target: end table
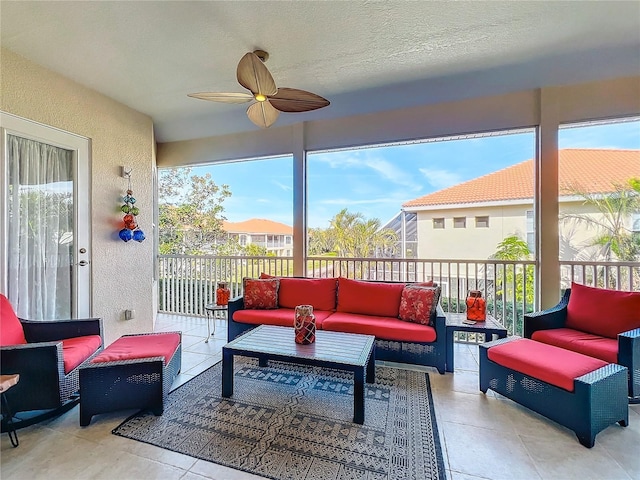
6, 382
455, 323
213, 310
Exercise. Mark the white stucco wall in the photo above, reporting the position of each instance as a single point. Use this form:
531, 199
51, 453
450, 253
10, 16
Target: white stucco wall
122, 273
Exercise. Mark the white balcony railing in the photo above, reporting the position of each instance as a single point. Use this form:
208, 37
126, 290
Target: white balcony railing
188, 283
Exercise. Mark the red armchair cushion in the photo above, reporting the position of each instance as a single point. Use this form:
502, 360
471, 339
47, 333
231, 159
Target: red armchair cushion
582, 342
317, 292
369, 298
550, 364
418, 304
601, 311
140, 346
11, 332
384, 328
76, 350
261, 293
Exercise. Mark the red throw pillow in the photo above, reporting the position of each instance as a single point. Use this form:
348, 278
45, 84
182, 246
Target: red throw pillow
266, 275
260, 293
418, 304
602, 312
11, 332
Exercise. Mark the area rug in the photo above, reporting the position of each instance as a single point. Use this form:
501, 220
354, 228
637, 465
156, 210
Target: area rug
294, 422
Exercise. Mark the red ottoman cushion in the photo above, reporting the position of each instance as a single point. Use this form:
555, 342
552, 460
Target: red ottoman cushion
550, 364
140, 346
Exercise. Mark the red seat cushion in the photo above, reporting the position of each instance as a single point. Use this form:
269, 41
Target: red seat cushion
77, 350
282, 317
601, 311
582, 342
369, 298
140, 346
385, 328
320, 293
11, 332
553, 365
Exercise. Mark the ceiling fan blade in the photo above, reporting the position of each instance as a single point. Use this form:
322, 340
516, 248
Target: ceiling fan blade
254, 76
223, 97
293, 100
262, 114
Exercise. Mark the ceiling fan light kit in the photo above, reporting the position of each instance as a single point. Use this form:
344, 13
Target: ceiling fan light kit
253, 75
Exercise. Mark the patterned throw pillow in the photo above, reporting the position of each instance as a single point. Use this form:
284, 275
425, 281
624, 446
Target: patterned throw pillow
418, 304
261, 293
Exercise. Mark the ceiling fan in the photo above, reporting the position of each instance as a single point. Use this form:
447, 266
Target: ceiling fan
253, 75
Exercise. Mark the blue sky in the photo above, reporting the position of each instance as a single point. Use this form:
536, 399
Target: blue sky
376, 181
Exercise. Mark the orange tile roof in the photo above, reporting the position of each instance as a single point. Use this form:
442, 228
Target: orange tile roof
258, 225
591, 170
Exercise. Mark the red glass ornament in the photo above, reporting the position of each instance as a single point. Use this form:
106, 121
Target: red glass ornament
476, 306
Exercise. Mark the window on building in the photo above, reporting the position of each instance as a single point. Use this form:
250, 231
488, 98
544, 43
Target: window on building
635, 222
482, 222
531, 234
438, 223
287, 240
460, 222
243, 240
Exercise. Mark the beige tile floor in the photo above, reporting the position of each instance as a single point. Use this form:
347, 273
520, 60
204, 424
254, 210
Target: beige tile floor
482, 436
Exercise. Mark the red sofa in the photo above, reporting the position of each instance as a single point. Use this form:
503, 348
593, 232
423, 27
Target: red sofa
352, 306
597, 322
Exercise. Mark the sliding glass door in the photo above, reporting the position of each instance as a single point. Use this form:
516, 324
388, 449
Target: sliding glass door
46, 256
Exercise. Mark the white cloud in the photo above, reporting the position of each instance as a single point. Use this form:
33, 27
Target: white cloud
440, 179
286, 188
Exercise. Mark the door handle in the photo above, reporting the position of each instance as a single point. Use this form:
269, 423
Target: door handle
83, 263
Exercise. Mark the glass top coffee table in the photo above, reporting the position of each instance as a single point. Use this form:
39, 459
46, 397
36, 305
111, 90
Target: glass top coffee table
342, 351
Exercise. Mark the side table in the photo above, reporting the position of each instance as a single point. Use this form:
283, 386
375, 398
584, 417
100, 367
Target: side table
213, 310
6, 382
455, 323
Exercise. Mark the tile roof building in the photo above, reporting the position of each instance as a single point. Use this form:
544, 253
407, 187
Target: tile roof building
276, 237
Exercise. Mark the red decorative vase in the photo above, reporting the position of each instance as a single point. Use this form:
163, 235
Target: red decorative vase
222, 294
305, 325
476, 306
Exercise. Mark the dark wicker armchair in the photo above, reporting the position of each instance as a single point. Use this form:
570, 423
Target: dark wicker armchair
47, 355
628, 342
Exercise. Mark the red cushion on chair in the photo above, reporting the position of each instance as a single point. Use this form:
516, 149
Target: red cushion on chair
582, 342
77, 350
140, 346
320, 293
601, 311
11, 332
550, 364
369, 298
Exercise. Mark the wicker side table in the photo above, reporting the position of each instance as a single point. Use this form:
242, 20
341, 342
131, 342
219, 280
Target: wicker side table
455, 323
6, 382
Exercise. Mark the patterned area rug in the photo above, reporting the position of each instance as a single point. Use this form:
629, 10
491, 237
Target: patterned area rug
295, 422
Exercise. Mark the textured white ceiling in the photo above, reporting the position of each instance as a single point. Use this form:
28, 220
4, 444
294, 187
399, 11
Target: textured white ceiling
362, 56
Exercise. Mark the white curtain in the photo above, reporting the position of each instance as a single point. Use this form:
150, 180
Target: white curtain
40, 213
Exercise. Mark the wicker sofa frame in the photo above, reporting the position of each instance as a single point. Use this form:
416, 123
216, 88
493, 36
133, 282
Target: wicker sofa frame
431, 354
44, 386
142, 383
598, 400
628, 342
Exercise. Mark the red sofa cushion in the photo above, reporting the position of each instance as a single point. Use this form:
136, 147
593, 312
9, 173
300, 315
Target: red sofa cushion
282, 317
369, 298
553, 365
140, 346
76, 350
601, 311
320, 293
385, 328
11, 332
418, 304
582, 342
261, 293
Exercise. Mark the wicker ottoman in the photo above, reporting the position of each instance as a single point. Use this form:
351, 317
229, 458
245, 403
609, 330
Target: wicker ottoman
135, 371
582, 393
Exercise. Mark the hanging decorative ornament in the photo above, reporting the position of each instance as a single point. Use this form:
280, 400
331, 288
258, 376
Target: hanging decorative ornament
131, 229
